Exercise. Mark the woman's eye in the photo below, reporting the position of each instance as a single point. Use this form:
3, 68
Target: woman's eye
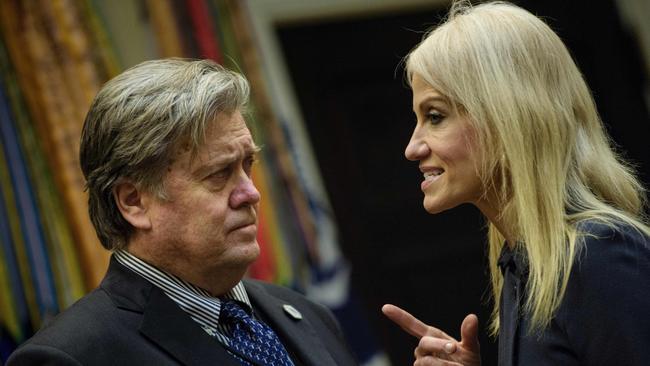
434, 117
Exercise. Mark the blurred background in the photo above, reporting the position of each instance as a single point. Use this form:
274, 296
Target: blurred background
341, 216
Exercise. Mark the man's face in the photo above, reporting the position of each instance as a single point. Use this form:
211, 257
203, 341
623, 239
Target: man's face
207, 227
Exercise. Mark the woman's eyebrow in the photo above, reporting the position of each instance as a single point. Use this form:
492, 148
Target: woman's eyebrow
432, 98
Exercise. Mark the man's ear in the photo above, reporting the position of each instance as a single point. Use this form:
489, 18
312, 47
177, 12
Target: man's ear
132, 203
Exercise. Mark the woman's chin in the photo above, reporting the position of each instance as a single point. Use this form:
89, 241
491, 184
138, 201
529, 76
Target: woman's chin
435, 207
432, 209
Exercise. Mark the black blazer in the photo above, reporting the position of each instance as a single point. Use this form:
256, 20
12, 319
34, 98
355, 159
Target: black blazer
602, 319
129, 321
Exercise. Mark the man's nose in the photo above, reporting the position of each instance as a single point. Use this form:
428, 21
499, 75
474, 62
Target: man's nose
245, 194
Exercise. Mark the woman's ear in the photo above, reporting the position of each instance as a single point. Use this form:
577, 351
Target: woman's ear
132, 203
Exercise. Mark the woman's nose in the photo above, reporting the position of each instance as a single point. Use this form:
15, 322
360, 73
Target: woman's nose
416, 149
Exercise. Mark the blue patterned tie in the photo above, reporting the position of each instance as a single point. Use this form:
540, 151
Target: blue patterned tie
252, 338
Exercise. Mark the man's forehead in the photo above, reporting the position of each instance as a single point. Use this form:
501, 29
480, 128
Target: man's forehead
218, 151
225, 137
240, 145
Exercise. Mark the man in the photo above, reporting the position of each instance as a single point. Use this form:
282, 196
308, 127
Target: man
167, 157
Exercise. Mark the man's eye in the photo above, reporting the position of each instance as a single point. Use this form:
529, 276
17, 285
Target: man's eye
248, 164
434, 117
223, 173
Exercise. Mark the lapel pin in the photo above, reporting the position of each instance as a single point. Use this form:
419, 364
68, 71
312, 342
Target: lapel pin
292, 312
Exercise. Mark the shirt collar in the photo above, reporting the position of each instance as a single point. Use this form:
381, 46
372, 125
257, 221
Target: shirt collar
513, 259
197, 302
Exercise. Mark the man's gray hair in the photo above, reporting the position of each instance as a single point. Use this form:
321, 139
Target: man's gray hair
139, 119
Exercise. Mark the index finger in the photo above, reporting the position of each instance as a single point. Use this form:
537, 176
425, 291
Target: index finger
409, 323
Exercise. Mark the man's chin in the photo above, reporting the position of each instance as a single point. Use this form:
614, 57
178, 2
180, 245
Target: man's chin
248, 252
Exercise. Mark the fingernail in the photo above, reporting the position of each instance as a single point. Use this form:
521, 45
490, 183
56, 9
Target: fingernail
449, 348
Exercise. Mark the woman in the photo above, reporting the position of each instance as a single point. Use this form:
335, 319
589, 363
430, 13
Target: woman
506, 122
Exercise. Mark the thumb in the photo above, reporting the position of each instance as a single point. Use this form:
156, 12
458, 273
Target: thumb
469, 333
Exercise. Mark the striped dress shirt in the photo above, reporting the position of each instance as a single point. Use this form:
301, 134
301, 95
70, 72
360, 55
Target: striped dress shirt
202, 307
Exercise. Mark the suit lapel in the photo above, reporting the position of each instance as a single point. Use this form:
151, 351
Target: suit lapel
163, 322
172, 329
169, 327
509, 316
297, 334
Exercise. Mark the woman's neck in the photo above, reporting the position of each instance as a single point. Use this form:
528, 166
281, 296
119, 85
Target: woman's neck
494, 213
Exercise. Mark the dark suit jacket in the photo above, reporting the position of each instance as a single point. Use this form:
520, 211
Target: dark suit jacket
602, 319
129, 321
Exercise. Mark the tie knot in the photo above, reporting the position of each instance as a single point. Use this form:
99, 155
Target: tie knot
251, 338
232, 312
235, 316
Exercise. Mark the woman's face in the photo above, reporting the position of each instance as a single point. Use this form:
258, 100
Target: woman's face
442, 144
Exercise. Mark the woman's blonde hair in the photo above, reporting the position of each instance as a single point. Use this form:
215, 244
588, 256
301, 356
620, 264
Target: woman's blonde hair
543, 148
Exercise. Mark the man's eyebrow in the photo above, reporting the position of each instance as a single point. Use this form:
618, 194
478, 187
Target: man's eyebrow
253, 149
226, 158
